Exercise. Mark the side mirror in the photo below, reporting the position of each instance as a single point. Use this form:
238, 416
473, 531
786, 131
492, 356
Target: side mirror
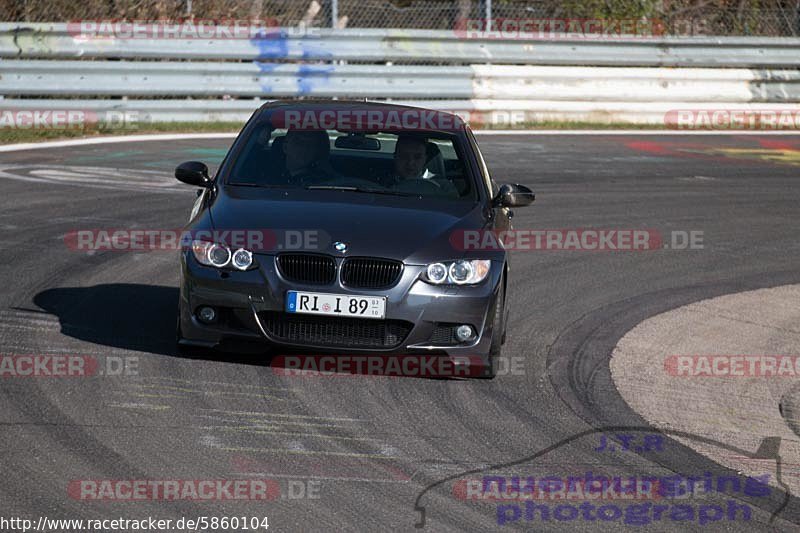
513, 195
193, 173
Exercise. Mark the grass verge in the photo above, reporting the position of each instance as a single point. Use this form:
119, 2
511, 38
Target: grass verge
11, 136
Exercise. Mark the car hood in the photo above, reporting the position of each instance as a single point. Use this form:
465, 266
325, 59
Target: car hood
413, 230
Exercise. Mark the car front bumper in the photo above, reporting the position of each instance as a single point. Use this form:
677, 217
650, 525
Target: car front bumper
241, 298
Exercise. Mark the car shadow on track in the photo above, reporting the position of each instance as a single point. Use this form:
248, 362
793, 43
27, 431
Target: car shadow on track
127, 316
143, 317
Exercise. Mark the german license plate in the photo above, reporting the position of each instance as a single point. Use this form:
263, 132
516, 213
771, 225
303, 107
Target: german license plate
316, 303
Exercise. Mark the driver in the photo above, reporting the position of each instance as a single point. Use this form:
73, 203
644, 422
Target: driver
308, 157
410, 158
410, 163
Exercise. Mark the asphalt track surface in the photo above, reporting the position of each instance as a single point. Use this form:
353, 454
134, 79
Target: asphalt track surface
375, 451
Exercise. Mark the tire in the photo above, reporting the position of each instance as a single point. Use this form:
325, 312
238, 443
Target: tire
498, 332
505, 328
180, 348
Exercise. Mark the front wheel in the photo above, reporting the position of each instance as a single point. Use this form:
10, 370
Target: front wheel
498, 332
182, 349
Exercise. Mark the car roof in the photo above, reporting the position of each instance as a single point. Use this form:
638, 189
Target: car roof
318, 105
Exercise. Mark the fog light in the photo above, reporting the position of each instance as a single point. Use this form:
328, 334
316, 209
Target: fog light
207, 314
464, 333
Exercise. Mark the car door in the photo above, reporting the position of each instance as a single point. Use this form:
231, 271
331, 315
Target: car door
501, 221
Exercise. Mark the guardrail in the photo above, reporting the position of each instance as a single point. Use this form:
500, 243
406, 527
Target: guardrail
46, 60
637, 84
314, 44
150, 78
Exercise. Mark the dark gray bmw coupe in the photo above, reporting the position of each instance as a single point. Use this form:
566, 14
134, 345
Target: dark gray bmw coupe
348, 227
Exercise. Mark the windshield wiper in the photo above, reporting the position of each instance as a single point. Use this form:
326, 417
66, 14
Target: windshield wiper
359, 189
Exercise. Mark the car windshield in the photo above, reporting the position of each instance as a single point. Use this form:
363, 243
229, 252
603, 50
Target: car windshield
414, 164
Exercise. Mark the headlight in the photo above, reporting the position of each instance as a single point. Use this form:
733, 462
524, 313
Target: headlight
220, 256
437, 273
458, 272
461, 272
242, 259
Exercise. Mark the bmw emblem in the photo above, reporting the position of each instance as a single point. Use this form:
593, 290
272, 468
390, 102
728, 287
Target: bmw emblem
340, 247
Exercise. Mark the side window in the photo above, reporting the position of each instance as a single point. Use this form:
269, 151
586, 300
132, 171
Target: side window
491, 186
